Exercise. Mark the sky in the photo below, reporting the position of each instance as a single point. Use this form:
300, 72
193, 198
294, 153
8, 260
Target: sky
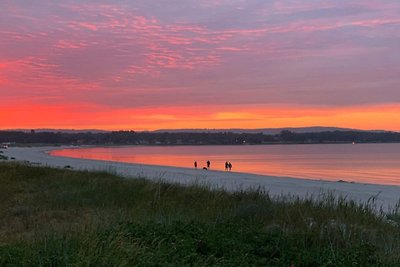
167, 64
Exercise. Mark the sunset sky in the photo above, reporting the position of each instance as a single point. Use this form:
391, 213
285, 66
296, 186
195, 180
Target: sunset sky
155, 64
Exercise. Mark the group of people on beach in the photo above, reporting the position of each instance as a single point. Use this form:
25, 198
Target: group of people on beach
228, 165
205, 168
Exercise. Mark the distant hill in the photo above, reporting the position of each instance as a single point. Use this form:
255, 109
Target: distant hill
269, 131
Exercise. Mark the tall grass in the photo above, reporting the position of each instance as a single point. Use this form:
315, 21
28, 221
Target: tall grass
53, 217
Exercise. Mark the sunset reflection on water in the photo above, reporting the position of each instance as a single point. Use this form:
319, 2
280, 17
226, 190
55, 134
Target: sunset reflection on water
365, 163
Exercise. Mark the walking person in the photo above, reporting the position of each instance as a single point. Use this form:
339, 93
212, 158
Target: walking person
226, 166
230, 166
195, 164
208, 164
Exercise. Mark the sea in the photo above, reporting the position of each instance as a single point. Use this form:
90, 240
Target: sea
361, 163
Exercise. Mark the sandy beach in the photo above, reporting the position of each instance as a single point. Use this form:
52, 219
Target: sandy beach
386, 196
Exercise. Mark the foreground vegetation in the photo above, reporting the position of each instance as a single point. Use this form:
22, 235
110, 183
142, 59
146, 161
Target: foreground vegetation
52, 217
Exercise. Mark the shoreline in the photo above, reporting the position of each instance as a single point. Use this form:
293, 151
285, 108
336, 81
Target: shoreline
386, 196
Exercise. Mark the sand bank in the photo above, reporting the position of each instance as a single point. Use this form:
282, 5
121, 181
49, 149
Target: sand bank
386, 196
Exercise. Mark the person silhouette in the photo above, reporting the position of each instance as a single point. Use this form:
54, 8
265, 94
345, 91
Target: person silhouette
230, 166
195, 164
208, 164
226, 166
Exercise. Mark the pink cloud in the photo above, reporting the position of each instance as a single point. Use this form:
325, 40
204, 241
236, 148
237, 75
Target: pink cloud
66, 44
217, 51
232, 49
84, 25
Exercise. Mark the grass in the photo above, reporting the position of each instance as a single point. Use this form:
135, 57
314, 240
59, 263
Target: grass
59, 217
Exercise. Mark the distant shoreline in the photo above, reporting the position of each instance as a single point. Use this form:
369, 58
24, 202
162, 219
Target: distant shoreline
198, 138
173, 145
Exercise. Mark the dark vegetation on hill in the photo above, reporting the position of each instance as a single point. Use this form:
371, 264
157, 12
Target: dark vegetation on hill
53, 217
181, 138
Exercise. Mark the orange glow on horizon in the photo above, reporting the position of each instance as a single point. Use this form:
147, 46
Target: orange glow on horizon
85, 116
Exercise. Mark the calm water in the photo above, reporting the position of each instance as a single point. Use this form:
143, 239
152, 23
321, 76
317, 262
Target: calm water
371, 163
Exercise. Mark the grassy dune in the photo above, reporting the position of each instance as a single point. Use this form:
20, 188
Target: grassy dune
52, 217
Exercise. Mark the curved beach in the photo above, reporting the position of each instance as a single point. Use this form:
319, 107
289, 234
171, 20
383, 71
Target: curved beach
386, 196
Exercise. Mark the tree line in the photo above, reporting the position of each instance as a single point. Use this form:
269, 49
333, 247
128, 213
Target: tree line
189, 138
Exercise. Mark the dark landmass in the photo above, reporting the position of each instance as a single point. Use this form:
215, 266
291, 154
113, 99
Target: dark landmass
196, 138
267, 131
45, 130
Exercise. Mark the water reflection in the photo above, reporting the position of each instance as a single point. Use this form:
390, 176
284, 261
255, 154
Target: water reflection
371, 163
